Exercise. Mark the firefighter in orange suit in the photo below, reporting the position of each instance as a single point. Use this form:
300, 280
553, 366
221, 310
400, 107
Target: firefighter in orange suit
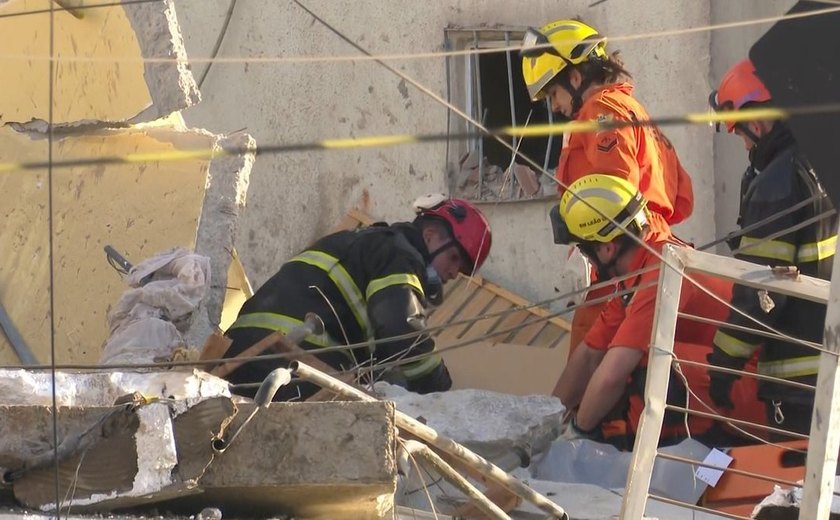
608, 371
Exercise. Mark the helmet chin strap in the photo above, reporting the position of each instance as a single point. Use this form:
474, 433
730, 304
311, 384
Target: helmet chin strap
435, 292
575, 93
744, 129
605, 268
441, 249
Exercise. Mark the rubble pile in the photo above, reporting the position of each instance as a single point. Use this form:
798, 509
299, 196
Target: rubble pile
496, 182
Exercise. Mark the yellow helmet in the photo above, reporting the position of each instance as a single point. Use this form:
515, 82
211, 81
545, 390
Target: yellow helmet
546, 52
605, 196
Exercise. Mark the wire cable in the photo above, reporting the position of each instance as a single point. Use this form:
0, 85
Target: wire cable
218, 45
668, 33
51, 226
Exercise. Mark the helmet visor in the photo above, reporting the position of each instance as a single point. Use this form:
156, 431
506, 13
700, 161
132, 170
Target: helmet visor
535, 44
716, 107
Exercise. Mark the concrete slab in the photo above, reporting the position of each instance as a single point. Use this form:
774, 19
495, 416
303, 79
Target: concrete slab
309, 460
492, 424
110, 457
224, 200
101, 389
312, 460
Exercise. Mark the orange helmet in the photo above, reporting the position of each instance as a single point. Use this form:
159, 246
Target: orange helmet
739, 86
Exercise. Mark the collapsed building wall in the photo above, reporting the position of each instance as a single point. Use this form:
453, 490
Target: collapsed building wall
120, 79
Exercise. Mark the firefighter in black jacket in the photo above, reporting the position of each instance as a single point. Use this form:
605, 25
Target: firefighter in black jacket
778, 179
370, 283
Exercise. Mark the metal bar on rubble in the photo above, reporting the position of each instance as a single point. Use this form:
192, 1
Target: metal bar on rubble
275, 379
431, 436
479, 111
821, 462
548, 138
20, 347
512, 111
453, 477
656, 387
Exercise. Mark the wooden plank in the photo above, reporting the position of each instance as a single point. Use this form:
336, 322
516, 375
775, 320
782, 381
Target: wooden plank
480, 328
511, 320
519, 300
528, 333
480, 300
354, 218
656, 389
362, 217
548, 336
452, 304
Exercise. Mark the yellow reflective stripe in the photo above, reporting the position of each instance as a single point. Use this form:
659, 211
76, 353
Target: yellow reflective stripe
774, 249
393, 279
342, 279
733, 346
789, 368
816, 251
281, 323
421, 367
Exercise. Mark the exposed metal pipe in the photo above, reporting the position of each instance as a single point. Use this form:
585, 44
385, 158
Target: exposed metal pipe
437, 440
277, 378
453, 477
23, 352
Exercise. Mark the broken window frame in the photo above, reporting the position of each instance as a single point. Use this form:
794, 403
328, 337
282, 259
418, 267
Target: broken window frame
463, 83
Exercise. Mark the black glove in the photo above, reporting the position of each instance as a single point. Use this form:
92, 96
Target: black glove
719, 391
720, 384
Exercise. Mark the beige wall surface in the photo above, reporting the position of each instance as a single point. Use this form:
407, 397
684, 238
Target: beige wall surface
296, 197
140, 209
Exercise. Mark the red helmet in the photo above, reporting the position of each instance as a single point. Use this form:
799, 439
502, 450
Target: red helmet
739, 86
470, 228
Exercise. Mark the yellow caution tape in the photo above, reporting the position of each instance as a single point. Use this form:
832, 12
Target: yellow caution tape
378, 141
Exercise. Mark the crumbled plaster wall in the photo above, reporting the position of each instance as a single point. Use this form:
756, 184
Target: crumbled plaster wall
121, 77
99, 73
296, 197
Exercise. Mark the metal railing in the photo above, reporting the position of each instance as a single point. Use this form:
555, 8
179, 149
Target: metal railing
824, 438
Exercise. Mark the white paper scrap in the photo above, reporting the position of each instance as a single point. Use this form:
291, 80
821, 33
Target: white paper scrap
711, 476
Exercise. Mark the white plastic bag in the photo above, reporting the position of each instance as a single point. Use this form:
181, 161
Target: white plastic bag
147, 322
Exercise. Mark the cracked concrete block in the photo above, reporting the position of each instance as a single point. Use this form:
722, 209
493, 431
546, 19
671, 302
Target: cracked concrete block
99, 73
490, 423
25, 387
331, 460
110, 457
224, 199
169, 79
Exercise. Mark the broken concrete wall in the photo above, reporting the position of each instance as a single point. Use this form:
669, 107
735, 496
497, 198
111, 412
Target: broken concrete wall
115, 66
157, 442
310, 460
298, 101
224, 199
99, 73
139, 208
91, 389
